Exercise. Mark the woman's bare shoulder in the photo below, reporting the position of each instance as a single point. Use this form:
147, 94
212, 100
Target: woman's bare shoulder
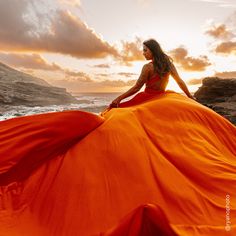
148, 66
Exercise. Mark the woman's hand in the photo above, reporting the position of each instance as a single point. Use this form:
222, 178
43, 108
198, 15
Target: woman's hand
115, 103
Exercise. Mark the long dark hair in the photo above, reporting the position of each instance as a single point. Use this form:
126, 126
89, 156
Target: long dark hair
161, 61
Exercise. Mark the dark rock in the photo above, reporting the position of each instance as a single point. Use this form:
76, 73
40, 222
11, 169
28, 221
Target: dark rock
18, 88
219, 95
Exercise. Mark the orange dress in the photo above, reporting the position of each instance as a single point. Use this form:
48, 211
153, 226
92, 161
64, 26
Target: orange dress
165, 166
143, 96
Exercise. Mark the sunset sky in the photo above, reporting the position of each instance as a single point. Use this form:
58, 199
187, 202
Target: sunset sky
96, 46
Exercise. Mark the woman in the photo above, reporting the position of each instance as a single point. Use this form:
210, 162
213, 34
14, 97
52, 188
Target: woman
154, 74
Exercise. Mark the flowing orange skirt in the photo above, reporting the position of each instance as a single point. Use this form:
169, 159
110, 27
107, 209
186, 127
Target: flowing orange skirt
165, 165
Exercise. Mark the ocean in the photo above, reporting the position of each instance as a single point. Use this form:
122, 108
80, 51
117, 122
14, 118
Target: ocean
91, 102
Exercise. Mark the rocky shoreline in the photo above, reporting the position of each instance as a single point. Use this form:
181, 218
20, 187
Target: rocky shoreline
219, 95
18, 88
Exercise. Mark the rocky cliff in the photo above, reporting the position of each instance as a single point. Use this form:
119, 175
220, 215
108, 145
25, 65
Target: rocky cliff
18, 88
220, 95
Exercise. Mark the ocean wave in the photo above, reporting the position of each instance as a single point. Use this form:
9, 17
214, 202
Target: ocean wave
94, 103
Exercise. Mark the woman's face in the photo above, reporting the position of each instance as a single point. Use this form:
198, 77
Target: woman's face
147, 53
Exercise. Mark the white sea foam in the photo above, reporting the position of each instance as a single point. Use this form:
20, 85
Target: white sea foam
91, 102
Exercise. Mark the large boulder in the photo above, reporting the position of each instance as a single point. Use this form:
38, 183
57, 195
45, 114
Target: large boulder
18, 88
220, 95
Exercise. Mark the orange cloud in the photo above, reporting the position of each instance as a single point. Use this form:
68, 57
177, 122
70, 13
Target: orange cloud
23, 29
122, 74
84, 86
69, 35
74, 85
180, 55
103, 75
225, 35
220, 32
60, 32
194, 81
117, 83
30, 63
226, 74
226, 47
102, 66
77, 76
126, 74
105, 86
131, 51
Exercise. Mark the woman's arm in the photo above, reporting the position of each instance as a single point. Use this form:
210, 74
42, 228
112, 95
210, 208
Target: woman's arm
179, 81
139, 84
